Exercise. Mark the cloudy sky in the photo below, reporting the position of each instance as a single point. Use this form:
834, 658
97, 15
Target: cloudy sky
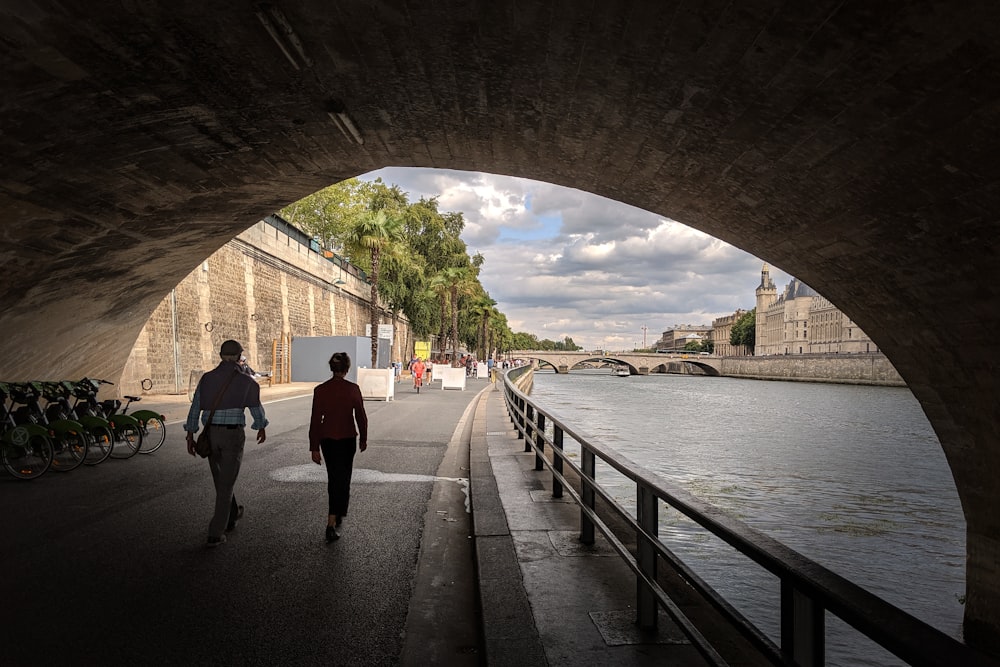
562, 262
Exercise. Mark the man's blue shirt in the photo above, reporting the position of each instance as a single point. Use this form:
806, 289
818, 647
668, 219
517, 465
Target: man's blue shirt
223, 417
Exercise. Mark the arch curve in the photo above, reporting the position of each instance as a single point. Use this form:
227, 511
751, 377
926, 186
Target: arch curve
861, 161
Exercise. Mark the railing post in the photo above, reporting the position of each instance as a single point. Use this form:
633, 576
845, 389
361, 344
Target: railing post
557, 460
589, 471
520, 417
645, 601
529, 410
803, 627
539, 441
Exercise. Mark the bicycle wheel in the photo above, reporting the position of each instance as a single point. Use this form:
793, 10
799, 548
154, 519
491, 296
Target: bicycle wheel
29, 459
102, 441
69, 451
128, 439
153, 435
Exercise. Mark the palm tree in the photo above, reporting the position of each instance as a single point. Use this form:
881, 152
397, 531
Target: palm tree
484, 308
440, 287
372, 234
500, 334
459, 284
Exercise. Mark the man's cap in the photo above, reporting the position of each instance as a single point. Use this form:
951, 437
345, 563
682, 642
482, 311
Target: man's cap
230, 347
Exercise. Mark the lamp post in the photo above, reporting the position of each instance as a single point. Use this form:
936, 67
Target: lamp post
644, 327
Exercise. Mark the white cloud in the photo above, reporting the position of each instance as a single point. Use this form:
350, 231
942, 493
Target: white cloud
561, 262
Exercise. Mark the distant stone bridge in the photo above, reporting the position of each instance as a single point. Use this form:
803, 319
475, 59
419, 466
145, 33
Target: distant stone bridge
638, 364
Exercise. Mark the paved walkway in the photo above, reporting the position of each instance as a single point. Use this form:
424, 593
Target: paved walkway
546, 598
400, 588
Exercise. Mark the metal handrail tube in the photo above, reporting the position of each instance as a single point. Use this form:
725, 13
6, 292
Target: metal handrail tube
902, 634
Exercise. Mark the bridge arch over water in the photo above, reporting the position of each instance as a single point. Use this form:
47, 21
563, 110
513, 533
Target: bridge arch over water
854, 145
638, 364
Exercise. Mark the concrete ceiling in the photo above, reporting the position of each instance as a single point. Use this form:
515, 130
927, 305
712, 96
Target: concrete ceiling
852, 144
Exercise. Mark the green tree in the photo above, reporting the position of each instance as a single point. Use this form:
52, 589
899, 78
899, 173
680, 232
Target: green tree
371, 236
483, 307
500, 333
546, 345
327, 214
521, 340
377, 196
460, 283
744, 331
439, 287
569, 345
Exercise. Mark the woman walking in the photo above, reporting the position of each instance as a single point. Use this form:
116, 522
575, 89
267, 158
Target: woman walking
337, 407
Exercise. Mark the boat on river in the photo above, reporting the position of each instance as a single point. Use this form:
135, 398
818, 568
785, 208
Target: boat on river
621, 371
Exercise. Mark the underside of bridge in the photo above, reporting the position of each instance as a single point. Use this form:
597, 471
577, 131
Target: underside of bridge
853, 145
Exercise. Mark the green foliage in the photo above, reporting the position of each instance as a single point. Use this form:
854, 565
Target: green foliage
372, 236
327, 214
744, 331
521, 340
569, 345
526, 341
416, 262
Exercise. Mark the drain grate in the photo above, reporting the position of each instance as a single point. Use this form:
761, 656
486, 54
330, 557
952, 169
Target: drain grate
618, 628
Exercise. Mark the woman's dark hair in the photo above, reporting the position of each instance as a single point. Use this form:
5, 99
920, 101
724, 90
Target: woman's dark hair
340, 362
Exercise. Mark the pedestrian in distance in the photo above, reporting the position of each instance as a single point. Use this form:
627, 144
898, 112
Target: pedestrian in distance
417, 369
245, 367
224, 393
338, 428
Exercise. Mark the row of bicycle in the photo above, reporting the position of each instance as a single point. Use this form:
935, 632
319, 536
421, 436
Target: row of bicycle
71, 428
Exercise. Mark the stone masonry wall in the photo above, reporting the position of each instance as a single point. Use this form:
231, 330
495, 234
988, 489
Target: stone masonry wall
873, 369
254, 289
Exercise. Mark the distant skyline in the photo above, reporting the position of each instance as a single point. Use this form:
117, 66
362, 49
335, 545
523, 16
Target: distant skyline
563, 262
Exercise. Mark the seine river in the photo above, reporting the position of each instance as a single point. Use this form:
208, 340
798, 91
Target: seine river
850, 476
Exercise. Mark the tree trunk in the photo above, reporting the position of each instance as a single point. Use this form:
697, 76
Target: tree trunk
374, 307
442, 335
485, 339
454, 323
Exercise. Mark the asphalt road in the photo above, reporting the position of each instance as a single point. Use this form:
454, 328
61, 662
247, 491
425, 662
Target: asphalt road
108, 565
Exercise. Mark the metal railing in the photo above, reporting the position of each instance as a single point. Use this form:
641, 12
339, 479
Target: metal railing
808, 590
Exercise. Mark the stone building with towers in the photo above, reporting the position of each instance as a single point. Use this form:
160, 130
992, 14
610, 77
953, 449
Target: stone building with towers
800, 321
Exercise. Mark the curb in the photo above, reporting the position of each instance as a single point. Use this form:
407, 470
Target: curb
509, 633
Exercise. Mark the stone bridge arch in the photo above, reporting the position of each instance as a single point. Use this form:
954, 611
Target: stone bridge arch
852, 144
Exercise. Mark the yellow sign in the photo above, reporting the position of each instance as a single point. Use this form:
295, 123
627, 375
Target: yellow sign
422, 349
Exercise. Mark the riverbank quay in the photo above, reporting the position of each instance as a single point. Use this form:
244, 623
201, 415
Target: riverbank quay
862, 369
798, 583
580, 599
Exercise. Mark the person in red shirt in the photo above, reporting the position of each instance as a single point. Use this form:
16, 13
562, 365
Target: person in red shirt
337, 407
418, 374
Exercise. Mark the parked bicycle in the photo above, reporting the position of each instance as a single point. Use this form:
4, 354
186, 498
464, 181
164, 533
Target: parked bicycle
154, 430
70, 440
25, 449
100, 433
125, 428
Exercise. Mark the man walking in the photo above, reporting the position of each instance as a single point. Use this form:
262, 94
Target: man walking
228, 392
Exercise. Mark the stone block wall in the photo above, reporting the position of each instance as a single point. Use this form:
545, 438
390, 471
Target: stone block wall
874, 369
255, 289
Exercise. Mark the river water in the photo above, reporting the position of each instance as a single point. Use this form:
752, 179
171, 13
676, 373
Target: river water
852, 477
